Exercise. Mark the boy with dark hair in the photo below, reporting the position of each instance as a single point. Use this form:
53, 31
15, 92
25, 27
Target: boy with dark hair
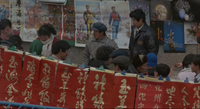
143, 39
6, 29
162, 69
195, 66
60, 50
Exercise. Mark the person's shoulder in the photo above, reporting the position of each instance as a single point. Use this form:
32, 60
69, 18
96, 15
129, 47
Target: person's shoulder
36, 41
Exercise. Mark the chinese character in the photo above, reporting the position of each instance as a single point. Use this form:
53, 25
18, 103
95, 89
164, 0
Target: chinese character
143, 86
157, 97
98, 103
44, 97
158, 88
124, 87
82, 78
141, 105
97, 83
141, 96
46, 69
13, 64
196, 105
170, 91
196, 92
11, 88
122, 101
45, 82
62, 99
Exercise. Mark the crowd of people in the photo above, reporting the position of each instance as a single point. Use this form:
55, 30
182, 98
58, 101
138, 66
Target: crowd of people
102, 51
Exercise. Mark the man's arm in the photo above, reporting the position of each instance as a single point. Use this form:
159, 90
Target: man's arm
86, 55
150, 43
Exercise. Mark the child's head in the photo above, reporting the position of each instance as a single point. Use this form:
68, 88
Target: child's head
187, 60
162, 69
140, 63
195, 64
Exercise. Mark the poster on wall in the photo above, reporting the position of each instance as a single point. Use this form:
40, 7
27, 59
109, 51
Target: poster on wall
190, 33
17, 15
4, 9
144, 5
158, 27
173, 37
186, 10
87, 13
35, 15
115, 15
160, 10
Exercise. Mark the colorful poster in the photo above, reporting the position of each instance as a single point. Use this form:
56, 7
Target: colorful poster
173, 37
115, 15
87, 13
4, 9
186, 10
35, 15
190, 33
160, 10
144, 5
158, 27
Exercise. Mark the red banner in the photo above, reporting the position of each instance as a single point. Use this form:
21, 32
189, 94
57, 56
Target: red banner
176, 95
78, 97
63, 85
12, 66
46, 82
29, 79
149, 93
124, 91
1, 59
99, 88
194, 95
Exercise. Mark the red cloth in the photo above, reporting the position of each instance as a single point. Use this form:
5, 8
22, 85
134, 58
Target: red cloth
29, 80
176, 95
46, 82
124, 92
12, 66
78, 97
63, 85
1, 60
99, 88
149, 94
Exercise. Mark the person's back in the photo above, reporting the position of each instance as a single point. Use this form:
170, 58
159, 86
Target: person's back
13, 40
186, 72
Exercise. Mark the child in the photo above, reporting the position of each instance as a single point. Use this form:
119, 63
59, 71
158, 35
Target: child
162, 69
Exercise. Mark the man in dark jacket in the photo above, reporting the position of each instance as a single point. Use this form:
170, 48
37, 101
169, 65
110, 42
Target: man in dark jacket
143, 39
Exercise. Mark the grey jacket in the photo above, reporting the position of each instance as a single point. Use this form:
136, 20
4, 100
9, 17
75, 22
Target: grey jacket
144, 42
92, 46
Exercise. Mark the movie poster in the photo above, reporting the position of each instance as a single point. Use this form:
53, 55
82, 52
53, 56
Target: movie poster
173, 37
87, 13
115, 15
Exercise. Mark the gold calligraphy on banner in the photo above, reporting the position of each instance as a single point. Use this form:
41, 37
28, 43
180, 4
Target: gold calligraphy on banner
170, 91
97, 83
45, 84
65, 78
98, 100
80, 92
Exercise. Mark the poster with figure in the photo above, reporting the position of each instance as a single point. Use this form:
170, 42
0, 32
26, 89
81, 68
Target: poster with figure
87, 13
160, 10
4, 9
35, 15
173, 37
144, 5
190, 33
186, 10
115, 15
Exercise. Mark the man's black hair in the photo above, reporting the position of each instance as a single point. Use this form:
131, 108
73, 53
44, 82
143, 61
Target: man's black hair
4, 23
162, 69
46, 30
60, 45
138, 14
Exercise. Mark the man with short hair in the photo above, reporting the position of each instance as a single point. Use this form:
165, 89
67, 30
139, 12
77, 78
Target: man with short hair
95, 42
143, 39
6, 29
60, 50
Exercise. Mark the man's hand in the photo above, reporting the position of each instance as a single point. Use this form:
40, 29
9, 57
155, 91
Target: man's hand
179, 65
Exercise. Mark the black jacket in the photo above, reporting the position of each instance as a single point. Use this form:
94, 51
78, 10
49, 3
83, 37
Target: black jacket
144, 42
